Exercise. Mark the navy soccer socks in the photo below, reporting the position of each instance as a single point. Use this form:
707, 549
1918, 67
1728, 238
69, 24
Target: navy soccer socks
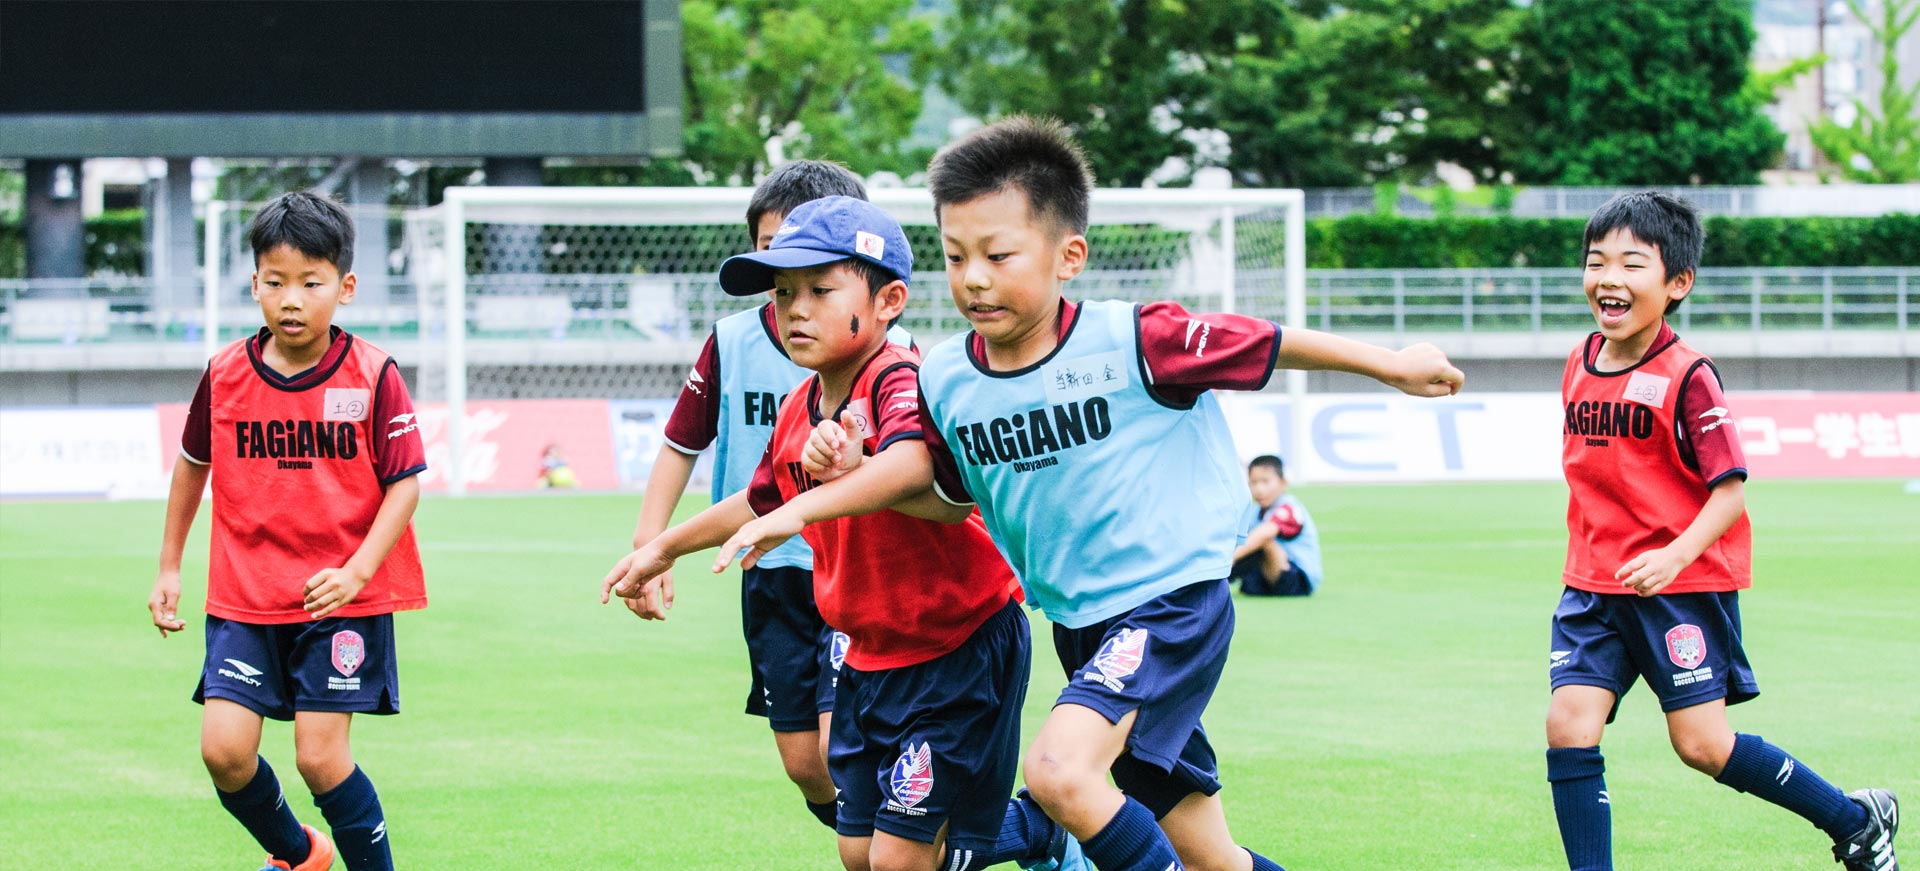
1581, 803
359, 827
1025, 835
824, 811
1131, 841
262, 809
1768, 772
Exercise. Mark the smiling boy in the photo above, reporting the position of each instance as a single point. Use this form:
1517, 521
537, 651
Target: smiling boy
1658, 548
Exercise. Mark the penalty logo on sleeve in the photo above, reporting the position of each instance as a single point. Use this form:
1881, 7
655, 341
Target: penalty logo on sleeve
912, 779
1118, 659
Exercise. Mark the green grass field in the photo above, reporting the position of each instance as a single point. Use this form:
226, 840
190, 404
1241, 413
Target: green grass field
1392, 722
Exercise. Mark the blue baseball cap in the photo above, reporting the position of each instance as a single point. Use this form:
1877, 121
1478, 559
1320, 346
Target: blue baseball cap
819, 232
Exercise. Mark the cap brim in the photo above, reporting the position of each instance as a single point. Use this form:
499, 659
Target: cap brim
752, 274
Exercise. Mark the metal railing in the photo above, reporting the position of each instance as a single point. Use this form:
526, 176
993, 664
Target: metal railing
681, 308
1580, 202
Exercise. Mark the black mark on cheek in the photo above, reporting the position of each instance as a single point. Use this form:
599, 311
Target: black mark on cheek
856, 325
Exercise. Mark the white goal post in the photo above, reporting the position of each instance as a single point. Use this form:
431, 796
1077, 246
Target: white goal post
511, 279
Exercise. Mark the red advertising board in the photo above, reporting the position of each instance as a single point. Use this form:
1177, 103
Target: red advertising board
1829, 435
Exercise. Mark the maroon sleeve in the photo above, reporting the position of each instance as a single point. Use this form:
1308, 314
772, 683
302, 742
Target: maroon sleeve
1188, 354
397, 451
946, 470
1283, 519
896, 406
1707, 429
695, 421
763, 495
196, 437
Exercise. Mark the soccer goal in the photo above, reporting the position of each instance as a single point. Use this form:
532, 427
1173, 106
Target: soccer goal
608, 292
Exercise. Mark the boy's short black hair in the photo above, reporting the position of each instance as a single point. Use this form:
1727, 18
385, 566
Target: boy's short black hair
307, 222
1269, 461
1666, 222
1036, 156
798, 183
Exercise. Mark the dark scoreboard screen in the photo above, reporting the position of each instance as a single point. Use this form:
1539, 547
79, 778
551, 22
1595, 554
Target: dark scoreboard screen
425, 76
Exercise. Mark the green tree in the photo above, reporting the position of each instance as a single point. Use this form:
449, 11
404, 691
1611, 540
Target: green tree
1345, 94
1648, 93
1106, 68
837, 80
1308, 92
1888, 141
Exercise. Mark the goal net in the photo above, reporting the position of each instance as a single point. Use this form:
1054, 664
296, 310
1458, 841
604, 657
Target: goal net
608, 292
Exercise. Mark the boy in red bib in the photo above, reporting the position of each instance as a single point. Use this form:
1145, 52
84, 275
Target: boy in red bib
1658, 548
310, 439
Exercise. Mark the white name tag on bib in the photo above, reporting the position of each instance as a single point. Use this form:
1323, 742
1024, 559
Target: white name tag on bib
348, 403
1086, 377
863, 418
1647, 388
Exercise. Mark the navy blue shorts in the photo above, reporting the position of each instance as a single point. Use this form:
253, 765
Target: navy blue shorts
789, 648
916, 747
1162, 659
1686, 645
341, 664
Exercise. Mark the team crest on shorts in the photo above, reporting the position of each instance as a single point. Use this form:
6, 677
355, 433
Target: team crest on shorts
912, 778
1686, 645
1118, 659
837, 649
349, 650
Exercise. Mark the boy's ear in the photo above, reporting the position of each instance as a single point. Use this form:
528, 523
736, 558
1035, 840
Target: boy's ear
1070, 257
348, 284
1680, 286
255, 287
891, 301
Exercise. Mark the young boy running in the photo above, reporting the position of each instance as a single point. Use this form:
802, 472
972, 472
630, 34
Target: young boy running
1089, 438
730, 401
926, 718
1281, 555
309, 436
1658, 547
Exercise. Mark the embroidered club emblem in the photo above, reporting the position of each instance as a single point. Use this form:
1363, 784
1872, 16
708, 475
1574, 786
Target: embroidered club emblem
913, 775
1686, 646
349, 650
1118, 659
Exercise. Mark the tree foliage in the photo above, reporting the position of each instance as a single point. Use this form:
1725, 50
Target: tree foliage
1306, 92
1651, 95
1885, 138
839, 81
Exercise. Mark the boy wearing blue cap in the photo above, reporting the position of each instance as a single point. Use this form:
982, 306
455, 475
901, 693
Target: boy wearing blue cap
925, 730
728, 402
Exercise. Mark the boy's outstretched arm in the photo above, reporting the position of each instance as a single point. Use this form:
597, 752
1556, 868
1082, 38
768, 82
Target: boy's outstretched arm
666, 483
183, 502
1651, 572
900, 477
1418, 370
331, 589
637, 576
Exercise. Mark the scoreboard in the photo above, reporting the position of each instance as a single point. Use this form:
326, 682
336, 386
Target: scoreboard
190, 78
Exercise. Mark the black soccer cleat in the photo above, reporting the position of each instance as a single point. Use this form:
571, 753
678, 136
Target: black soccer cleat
1871, 848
